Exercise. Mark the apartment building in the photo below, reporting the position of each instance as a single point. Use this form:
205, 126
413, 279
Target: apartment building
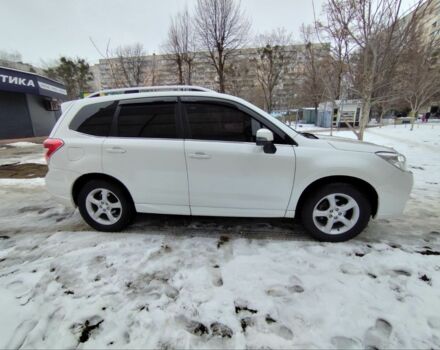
241, 75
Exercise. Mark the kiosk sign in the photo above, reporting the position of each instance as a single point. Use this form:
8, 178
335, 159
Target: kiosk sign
17, 81
27, 83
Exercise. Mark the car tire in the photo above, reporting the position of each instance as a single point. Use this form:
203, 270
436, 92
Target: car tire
105, 206
336, 212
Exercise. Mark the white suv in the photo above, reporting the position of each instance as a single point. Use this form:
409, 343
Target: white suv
205, 153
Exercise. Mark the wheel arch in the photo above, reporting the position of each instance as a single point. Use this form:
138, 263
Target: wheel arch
362, 185
83, 179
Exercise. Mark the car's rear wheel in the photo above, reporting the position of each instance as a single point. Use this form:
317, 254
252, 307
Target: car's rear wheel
336, 212
105, 206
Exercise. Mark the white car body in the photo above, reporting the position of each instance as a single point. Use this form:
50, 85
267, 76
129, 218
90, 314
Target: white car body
220, 178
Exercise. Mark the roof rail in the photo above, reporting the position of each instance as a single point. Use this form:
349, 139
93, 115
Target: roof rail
134, 90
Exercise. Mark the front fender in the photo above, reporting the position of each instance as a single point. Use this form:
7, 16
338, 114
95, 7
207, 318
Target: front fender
313, 164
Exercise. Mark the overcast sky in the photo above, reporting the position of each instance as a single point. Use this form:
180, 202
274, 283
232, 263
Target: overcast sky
46, 29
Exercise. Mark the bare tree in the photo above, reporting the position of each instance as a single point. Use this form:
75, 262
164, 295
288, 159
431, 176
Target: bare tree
173, 48
237, 76
334, 63
418, 75
221, 29
130, 64
180, 45
106, 56
127, 65
385, 105
312, 83
379, 34
274, 54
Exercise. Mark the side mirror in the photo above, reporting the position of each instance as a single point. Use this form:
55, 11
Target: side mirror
265, 139
264, 136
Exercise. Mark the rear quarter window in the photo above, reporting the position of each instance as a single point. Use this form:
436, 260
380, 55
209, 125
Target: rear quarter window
95, 119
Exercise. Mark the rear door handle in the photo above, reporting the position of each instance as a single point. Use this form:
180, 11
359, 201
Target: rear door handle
199, 155
115, 150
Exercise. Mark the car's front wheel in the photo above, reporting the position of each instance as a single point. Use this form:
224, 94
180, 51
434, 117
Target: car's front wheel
336, 212
105, 206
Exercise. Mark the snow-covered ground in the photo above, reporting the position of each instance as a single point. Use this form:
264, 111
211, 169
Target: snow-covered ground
22, 144
171, 281
21, 152
305, 127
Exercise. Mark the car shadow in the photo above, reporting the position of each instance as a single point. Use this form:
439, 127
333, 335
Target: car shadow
207, 226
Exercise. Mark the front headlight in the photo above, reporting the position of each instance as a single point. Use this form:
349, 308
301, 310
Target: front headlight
396, 159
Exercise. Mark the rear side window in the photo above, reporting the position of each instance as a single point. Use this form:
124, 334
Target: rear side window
148, 120
95, 119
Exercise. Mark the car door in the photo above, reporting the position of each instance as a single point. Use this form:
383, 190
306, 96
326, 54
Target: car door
146, 153
228, 173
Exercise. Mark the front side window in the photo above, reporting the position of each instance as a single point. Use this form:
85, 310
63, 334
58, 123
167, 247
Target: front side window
210, 121
148, 120
215, 121
95, 119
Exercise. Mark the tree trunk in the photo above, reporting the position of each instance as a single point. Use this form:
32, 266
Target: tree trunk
382, 113
365, 117
221, 82
332, 116
189, 63
331, 124
221, 70
269, 102
413, 115
180, 70
316, 112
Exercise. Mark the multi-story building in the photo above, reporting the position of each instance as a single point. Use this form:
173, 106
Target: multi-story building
431, 20
241, 75
431, 31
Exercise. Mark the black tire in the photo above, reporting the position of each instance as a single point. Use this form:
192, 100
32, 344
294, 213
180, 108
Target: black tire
125, 214
317, 198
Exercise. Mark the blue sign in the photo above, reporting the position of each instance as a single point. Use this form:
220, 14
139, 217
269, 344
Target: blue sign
28, 83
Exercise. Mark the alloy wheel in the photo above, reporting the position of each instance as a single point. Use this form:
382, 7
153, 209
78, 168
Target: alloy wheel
103, 206
336, 213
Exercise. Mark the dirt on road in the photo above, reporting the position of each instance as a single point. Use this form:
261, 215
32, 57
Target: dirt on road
22, 171
22, 162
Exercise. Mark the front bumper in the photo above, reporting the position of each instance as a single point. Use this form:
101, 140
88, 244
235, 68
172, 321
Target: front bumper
394, 194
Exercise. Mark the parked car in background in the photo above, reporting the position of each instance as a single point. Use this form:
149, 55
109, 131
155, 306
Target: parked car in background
198, 152
404, 120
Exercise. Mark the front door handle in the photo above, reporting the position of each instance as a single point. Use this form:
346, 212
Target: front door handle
115, 150
199, 155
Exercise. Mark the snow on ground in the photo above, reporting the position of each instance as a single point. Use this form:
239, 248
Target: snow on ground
21, 152
23, 183
171, 281
305, 127
22, 144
